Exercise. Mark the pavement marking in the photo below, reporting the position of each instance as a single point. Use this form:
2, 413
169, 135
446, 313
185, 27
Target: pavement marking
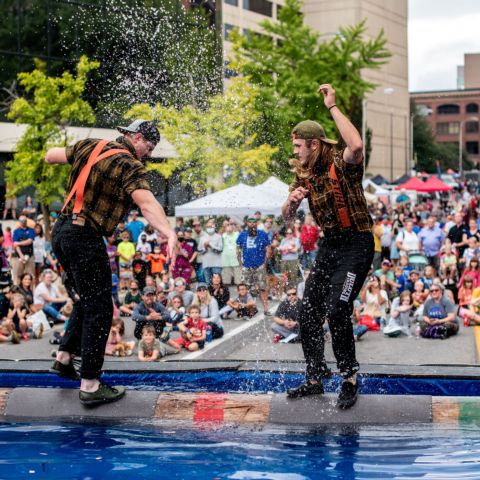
208, 346
477, 341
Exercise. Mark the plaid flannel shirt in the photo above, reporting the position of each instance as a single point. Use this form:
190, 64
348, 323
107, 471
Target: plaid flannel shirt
321, 199
111, 182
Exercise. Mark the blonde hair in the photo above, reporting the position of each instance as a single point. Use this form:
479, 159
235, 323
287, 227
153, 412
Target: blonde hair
198, 302
324, 153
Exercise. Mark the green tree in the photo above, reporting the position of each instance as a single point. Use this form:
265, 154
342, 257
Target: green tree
49, 105
289, 62
216, 146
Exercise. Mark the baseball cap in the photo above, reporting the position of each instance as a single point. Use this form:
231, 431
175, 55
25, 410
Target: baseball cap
148, 129
308, 129
202, 286
252, 219
148, 291
386, 262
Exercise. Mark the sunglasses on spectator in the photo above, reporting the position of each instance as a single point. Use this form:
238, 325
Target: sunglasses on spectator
434, 289
291, 294
178, 284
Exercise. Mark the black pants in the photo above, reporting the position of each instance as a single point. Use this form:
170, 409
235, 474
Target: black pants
88, 279
338, 274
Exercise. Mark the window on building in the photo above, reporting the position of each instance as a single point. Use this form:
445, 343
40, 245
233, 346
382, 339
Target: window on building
471, 108
227, 29
472, 148
263, 7
471, 127
232, 2
448, 128
448, 109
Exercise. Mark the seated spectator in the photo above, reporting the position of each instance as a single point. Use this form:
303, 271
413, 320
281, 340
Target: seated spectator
150, 348
25, 288
244, 304
208, 310
412, 279
387, 277
167, 282
399, 279
219, 292
8, 332
149, 312
473, 271
193, 330
401, 313
132, 298
176, 311
161, 296
375, 300
419, 297
439, 315
116, 346
465, 293
180, 288
48, 297
285, 320
428, 276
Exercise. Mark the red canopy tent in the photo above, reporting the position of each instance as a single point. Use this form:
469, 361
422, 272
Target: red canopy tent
434, 184
413, 184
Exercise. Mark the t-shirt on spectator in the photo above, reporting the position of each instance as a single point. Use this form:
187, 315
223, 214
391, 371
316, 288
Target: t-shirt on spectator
253, 248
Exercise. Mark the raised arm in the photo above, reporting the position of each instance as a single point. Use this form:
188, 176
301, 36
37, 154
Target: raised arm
56, 155
354, 152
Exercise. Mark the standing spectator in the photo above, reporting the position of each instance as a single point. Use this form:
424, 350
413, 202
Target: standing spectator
285, 320
309, 238
149, 312
135, 226
151, 235
231, 271
253, 245
189, 240
407, 240
112, 252
470, 252
144, 246
179, 224
157, 262
471, 231
140, 270
10, 203
29, 209
182, 267
211, 246
386, 240
197, 234
431, 238
22, 258
456, 234
7, 242
289, 248
377, 237
119, 230
39, 251
126, 251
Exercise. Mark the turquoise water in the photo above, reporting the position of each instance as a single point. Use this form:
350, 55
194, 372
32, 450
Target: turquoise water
146, 451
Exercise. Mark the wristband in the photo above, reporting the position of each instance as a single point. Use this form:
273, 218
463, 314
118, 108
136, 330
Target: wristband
334, 105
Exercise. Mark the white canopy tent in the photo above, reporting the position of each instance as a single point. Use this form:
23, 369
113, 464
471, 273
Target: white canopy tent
278, 192
239, 200
372, 187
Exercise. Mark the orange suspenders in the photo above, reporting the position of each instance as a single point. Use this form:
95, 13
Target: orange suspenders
340, 203
338, 197
79, 186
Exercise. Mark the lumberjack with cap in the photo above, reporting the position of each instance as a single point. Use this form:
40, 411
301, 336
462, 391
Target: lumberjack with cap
106, 178
331, 179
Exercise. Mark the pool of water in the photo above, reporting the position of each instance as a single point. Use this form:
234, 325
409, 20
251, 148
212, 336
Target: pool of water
74, 451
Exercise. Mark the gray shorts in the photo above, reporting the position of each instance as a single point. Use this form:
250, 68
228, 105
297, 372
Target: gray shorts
255, 277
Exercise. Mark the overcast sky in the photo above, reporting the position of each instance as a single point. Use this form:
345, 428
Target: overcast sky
439, 33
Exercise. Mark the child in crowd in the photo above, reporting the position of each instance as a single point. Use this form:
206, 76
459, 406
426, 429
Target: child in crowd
167, 282
116, 346
399, 279
140, 270
144, 246
193, 330
402, 311
18, 315
448, 262
465, 293
126, 250
157, 262
115, 282
132, 298
176, 311
149, 347
244, 305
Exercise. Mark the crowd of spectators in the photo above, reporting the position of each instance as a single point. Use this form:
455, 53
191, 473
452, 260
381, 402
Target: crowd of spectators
424, 281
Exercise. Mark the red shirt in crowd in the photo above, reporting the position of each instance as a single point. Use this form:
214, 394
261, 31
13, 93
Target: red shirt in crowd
309, 237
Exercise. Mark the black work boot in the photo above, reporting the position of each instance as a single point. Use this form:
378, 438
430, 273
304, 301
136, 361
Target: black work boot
348, 395
305, 389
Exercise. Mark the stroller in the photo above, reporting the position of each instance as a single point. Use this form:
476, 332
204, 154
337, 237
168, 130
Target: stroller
418, 261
